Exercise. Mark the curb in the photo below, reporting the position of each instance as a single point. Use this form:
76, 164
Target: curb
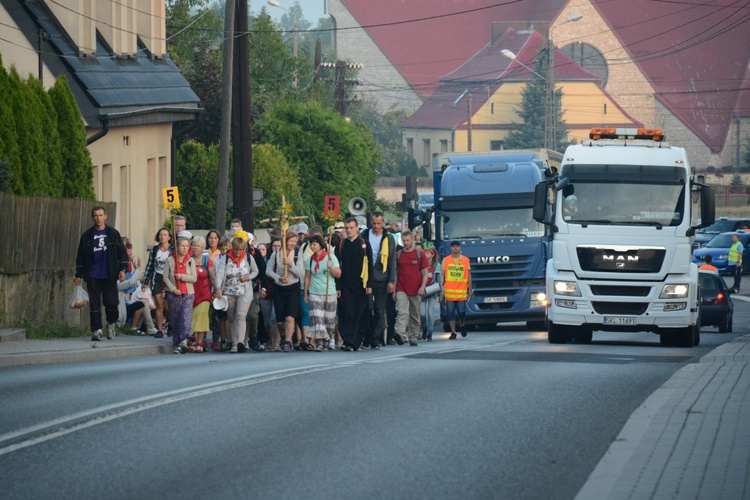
77, 356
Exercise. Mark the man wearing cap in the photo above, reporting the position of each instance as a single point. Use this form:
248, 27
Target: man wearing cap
456, 287
302, 230
382, 254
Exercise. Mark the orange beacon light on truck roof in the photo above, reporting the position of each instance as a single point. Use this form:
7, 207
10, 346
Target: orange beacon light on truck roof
653, 134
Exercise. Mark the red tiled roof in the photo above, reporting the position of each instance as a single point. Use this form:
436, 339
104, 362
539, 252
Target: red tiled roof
484, 73
444, 33
695, 55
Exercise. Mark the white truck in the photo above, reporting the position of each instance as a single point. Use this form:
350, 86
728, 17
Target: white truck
623, 210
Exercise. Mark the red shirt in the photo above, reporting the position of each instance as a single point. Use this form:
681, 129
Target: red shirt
202, 287
181, 268
410, 271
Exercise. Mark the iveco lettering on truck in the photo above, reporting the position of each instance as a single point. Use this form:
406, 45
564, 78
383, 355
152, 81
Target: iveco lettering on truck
623, 213
485, 201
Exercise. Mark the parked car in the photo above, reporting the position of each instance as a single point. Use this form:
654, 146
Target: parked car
722, 225
717, 308
718, 249
425, 201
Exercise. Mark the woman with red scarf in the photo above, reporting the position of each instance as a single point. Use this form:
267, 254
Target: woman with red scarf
320, 292
179, 276
234, 279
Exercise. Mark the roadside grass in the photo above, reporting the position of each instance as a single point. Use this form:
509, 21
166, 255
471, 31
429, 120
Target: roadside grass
52, 329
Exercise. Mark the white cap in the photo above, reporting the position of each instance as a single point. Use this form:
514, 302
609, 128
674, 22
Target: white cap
185, 234
302, 228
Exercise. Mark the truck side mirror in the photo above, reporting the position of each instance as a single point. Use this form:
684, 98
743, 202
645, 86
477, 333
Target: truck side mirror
539, 212
708, 206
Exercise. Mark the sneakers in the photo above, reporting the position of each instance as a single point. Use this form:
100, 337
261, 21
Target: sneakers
177, 350
463, 331
332, 344
111, 331
158, 334
286, 346
234, 348
453, 336
413, 343
97, 335
215, 345
152, 331
183, 346
240, 347
375, 346
398, 338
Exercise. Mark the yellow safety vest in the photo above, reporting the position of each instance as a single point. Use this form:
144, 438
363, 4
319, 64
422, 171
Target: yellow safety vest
456, 276
734, 253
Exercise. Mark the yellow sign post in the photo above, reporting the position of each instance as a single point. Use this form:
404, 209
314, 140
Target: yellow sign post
171, 196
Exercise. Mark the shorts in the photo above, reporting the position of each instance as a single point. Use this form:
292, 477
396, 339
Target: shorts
158, 284
286, 301
455, 310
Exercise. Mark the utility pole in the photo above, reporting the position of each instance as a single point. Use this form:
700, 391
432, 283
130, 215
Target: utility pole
340, 82
242, 207
469, 112
226, 116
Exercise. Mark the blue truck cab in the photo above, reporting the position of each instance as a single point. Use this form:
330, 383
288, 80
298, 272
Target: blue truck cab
484, 200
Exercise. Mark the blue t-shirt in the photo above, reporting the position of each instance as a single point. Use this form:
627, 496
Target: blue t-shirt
99, 262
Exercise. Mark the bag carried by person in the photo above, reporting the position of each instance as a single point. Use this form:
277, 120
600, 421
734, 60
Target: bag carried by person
80, 298
144, 293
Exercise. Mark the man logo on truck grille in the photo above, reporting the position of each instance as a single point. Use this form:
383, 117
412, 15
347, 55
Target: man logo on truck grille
500, 259
620, 260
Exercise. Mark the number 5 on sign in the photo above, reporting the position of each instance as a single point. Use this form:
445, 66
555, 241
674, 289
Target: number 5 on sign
171, 196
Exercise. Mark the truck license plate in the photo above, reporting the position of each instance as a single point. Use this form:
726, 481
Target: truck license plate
495, 299
619, 320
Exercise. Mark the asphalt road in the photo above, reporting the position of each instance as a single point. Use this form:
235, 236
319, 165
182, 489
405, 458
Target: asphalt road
496, 415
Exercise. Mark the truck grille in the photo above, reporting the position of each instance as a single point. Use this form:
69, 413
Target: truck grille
631, 308
620, 290
620, 259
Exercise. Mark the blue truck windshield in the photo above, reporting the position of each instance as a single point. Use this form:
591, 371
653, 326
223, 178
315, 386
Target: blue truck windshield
634, 203
490, 224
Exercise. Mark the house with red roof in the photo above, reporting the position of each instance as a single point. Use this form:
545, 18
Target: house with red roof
680, 66
487, 90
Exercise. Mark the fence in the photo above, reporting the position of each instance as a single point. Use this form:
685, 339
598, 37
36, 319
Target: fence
732, 196
38, 248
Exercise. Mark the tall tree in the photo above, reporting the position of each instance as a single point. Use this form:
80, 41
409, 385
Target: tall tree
10, 153
78, 173
330, 155
51, 144
530, 133
29, 129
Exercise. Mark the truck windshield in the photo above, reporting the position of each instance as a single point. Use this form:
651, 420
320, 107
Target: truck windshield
490, 223
624, 203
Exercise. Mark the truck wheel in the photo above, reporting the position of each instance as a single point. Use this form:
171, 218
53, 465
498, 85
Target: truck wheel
583, 335
666, 340
555, 334
685, 337
535, 326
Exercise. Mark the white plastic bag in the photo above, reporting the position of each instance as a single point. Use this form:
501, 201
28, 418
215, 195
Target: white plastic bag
144, 293
80, 298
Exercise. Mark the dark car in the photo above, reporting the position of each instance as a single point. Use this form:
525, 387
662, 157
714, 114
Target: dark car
718, 249
722, 225
717, 308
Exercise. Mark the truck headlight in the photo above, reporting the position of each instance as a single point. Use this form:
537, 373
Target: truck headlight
569, 288
679, 291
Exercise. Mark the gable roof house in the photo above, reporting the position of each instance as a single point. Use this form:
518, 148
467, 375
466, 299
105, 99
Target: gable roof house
681, 66
494, 83
130, 93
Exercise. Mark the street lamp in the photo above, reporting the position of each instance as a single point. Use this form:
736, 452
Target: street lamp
275, 3
550, 129
510, 55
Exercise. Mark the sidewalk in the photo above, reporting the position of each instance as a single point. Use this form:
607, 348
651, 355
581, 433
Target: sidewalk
15, 352
689, 439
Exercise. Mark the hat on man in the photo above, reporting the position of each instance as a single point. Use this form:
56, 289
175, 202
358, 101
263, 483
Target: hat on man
455, 243
302, 228
185, 234
239, 233
339, 226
